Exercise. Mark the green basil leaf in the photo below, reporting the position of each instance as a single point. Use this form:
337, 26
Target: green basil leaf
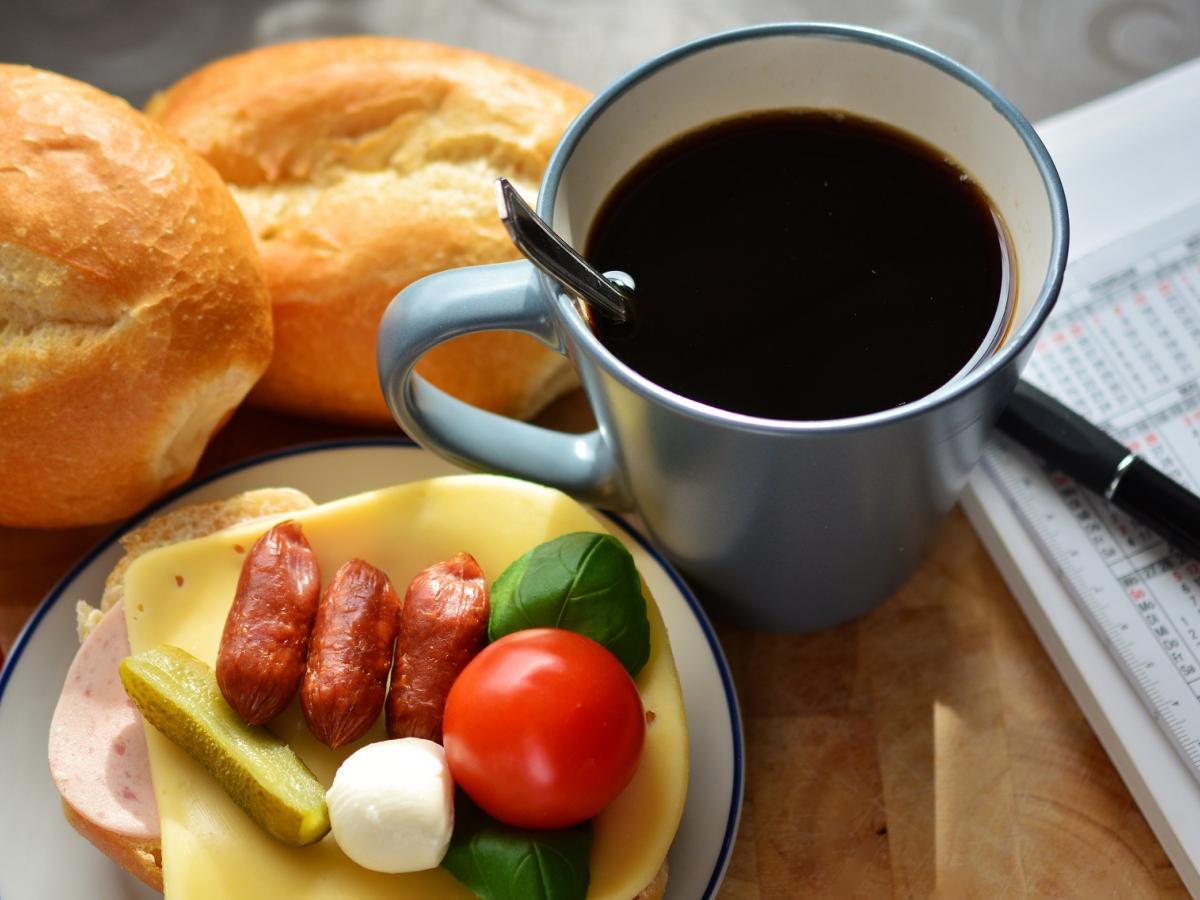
584, 582
499, 862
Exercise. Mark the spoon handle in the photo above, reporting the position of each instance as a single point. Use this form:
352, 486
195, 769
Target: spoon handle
556, 257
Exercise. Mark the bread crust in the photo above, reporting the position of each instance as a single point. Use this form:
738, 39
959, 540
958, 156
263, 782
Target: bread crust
185, 523
142, 859
657, 887
363, 164
133, 308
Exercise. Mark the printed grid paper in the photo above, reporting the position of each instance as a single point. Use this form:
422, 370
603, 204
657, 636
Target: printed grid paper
1122, 348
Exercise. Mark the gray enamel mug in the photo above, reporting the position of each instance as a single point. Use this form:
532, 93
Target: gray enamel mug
782, 525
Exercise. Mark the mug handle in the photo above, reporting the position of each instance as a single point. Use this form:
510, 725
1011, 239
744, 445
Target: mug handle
499, 297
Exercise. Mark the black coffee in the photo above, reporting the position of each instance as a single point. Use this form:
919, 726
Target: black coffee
800, 265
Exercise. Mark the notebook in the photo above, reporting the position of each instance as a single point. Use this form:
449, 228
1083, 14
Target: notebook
1117, 610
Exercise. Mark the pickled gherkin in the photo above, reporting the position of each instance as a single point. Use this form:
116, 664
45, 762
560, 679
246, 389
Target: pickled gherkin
178, 695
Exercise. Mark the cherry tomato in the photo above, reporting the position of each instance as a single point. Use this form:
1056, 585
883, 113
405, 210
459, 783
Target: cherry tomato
543, 728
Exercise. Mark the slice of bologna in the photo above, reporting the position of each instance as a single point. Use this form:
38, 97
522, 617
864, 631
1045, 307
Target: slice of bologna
98, 755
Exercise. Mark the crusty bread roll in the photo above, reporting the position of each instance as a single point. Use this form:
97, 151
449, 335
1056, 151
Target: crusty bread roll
133, 309
363, 164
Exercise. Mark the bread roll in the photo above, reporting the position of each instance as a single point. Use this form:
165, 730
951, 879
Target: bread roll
133, 309
363, 164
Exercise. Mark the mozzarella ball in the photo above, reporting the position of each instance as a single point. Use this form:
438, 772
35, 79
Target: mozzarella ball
391, 806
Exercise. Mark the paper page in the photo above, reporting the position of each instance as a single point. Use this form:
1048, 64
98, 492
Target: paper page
1128, 159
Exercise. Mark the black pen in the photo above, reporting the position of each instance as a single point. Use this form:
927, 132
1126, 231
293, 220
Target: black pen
1078, 448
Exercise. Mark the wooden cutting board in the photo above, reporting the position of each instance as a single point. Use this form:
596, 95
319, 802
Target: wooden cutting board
930, 750
927, 750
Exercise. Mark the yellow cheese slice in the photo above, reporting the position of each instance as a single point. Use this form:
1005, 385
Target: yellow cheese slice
180, 595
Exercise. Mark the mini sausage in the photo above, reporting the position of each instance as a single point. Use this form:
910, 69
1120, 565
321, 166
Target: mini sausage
345, 682
265, 641
443, 624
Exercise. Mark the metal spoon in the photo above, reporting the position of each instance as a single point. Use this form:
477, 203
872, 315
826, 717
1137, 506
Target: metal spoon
611, 292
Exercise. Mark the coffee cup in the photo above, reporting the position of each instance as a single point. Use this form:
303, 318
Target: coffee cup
785, 525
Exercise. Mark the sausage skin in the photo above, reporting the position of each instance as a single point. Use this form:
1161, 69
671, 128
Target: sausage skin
443, 625
265, 641
345, 682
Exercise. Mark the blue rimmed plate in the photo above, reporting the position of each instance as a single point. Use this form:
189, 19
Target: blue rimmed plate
41, 856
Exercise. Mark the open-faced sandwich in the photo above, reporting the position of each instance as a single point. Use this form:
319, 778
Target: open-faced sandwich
452, 688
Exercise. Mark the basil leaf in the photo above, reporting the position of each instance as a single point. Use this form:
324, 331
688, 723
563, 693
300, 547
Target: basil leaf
499, 862
584, 582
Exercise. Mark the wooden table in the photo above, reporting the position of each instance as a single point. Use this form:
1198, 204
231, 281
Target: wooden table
928, 749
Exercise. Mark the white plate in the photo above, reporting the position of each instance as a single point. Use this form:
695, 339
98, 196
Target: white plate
42, 857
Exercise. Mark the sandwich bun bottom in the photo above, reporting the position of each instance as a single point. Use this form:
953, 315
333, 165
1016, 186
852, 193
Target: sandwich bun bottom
97, 748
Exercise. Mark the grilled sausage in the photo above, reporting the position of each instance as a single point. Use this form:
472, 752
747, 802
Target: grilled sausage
443, 624
265, 641
351, 652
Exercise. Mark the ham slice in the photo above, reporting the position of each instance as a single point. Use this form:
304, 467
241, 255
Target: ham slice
98, 756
